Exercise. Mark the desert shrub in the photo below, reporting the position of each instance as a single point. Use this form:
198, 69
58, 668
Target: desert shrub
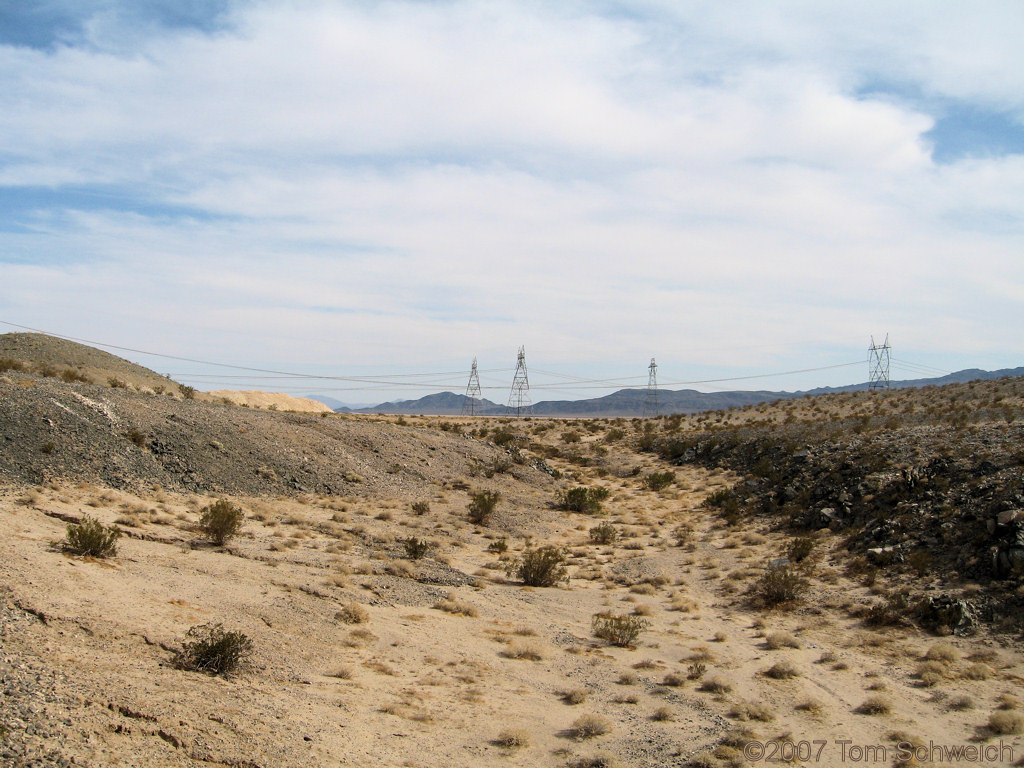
503, 437
69, 375
715, 684
779, 585
187, 392
1006, 723
589, 726
605, 533
10, 364
91, 538
220, 521
782, 670
574, 697
541, 567
513, 739
453, 605
696, 670
724, 499
524, 649
800, 549
137, 438
212, 649
776, 640
352, 613
115, 383
875, 705
581, 499
420, 507
482, 505
892, 611
618, 630
416, 548
943, 652
663, 714
659, 481
498, 547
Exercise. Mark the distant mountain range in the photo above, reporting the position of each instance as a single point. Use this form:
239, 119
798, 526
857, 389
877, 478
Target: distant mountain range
630, 402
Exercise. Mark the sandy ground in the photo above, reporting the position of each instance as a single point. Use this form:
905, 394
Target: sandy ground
417, 685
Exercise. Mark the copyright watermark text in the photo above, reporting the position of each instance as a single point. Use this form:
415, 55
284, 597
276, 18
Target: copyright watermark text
847, 751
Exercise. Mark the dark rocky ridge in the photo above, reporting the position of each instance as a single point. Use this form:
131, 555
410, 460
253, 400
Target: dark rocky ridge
53, 430
938, 498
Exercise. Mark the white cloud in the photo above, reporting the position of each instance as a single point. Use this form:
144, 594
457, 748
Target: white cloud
407, 181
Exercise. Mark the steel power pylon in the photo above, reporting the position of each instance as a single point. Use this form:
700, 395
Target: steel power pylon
519, 397
878, 364
651, 401
472, 392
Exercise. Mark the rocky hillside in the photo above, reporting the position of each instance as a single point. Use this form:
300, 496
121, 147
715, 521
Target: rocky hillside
56, 430
53, 357
927, 483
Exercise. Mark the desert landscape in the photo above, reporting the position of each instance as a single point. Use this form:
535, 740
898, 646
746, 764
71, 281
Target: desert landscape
818, 581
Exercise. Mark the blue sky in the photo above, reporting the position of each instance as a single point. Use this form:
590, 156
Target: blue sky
395, 187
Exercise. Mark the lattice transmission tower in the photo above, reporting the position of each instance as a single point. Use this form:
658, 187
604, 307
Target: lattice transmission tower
472, 392
651, 401
878, 364
519, 397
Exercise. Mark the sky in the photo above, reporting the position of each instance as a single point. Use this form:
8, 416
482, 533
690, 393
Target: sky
382, 191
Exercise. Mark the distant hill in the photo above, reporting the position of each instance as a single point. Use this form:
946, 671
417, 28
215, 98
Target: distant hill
630, 402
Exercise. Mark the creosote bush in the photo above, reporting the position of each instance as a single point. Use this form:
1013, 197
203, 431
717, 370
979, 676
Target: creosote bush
541, 567
416, 548
618, 630
581, 499
659, 481
481, 506
213, 650
220, 521
779, 585
605, 533
91, 538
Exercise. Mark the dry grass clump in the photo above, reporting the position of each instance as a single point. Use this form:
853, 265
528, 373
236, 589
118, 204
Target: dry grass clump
1006, 723
453, 605
513, 738
627, 678
573, 697
715, 684
943, 652
1007, 702
961, 703
776, 640
782, 670
523, 650
352, 613
596, 760
746, 710
674, 680
978, 671
810, 706
875, 705
663, 714
590, 726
